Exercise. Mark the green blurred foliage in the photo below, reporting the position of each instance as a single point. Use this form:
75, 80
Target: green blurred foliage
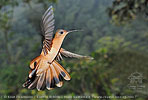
123, 11
118, 51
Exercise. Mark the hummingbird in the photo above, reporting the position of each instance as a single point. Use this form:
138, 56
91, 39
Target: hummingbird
45, 71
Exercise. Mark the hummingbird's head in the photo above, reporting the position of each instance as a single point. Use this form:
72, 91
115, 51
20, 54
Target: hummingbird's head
63, 33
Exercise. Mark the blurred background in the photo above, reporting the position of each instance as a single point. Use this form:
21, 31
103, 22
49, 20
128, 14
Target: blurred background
115, 34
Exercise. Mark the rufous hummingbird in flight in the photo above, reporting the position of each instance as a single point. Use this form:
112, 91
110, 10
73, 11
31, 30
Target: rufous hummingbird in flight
45, 71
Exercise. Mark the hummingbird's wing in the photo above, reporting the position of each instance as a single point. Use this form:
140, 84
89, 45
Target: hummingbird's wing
47, 29
66, 53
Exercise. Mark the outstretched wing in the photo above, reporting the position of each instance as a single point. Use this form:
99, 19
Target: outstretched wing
47, 29
66, 53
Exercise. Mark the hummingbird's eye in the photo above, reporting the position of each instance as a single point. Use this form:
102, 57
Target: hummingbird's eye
61, 32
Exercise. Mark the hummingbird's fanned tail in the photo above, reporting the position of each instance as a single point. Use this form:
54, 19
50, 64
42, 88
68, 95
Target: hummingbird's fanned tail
49, 78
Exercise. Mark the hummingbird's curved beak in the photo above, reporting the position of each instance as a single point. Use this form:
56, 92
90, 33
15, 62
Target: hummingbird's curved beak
73, 31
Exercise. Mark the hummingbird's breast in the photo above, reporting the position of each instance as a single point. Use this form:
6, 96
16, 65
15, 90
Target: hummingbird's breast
55, 47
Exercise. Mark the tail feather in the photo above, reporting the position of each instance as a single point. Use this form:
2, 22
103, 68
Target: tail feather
62, 71
32, 73
30, 81
41, 81
58, 76
33, 84
43, 85
55, 76
49, 78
